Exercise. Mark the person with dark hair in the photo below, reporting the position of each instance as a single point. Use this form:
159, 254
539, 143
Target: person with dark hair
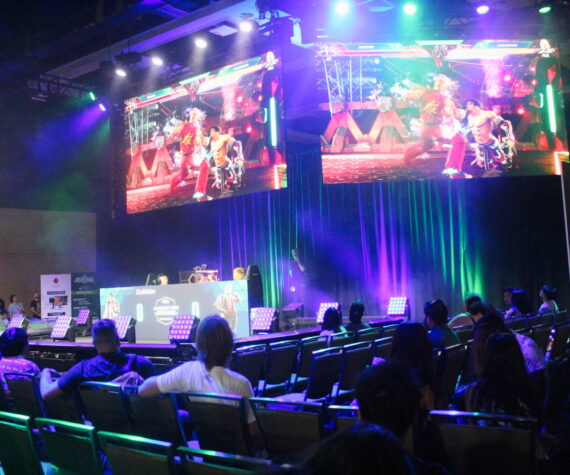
504, 386
14, 347
520, 305
507, 294
548, 295
440, 335
466, 318
3, 312
110, 364
209, 373
332, 322
36, 305
363, 448
161, 279
15, 307
355, 316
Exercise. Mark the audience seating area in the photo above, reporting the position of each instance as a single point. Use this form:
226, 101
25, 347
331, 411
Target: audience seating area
302, 391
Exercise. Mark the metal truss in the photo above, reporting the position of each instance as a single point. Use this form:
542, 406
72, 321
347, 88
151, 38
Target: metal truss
51, 85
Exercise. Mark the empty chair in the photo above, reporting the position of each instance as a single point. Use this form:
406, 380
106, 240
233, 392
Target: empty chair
559, 341
105, 406
305, 356
70, 447
288, 428
280, 364
25, 394
209, 462
249, 361
490, 443
221, 422
451, 365
128, 455
342, 417
341, 339
355, 358
541, 335
156, 417
381, 347
368, 334
517, 323
17, 450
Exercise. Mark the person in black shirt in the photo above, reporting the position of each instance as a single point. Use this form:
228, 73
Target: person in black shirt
110, 364
36, 305
355, 316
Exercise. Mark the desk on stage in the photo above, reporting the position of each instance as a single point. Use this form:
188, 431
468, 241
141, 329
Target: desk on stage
154, 307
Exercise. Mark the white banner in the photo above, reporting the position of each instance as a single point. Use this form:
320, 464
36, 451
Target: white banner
56, 296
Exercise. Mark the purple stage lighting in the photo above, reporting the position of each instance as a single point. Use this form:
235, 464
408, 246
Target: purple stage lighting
18, 320
483, 9
323, 307
102, 107
398, 306
246, 26
122, 323
181, 328
157, 60
342, 8
83, 316
262, 318
119, 71
60, 328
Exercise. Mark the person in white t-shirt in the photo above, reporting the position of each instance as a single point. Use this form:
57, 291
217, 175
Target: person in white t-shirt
208, 374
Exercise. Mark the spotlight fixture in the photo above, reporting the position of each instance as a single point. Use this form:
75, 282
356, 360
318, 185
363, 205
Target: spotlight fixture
507, 77
102, 107
120, 71
398, 306
342, 8
157, 60
544, 8
200, 43
323, 307
92, 96
482, 9
246, 26
410, 9
520, 110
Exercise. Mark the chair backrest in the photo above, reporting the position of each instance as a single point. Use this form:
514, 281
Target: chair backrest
389, 330
541, 335
218, 463
17, 451
249, 361
368, 334
66, 407
105, 406
559, 341
306, 348
341, 339
517, 323
356, 358
24, 391
156, 417
288, 428
451, 365
382, 347
342, 417
535, 320
464, 333
483, 443
70, 447
280, 364
219, 422
132, 455
325, 372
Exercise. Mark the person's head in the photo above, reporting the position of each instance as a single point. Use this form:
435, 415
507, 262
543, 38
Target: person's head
388, 395
360, 449
105, 336
36, 295
214, 341
215, 131
548, 293
471, 298
239, 273
435, 312
472, 105
13, 342
519, 300
162, 279
412, 348
507, 293
331, 319
13, 298
356, 312
476, 309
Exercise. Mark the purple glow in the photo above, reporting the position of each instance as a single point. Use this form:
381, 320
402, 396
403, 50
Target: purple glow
102, 107
483, 9
507, 77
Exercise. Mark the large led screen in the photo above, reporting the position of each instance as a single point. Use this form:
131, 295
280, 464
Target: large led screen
211, 136
439, 109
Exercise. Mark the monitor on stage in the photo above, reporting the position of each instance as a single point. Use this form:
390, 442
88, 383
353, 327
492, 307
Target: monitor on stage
154, 307
445, 109
213, 135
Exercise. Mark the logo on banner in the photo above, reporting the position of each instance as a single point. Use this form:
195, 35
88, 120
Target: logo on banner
165, 309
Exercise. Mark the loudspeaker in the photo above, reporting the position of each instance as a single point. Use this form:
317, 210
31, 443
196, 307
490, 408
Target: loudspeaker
254, 286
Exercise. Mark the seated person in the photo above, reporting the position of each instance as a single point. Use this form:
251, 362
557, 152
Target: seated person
440, 335
355, 316
520, 305
14, 347
465, 318
110, 364
332, 322
547, 295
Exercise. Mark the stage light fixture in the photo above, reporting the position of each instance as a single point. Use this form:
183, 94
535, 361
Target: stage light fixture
544, 8
246, 26
262, 319
507, 77
398, 306
520, 110
248, 129
60, 328
157, 60
483, 9
102, 107
323, 307
410, 9
534, 82
122, 322
342, 8
92, 96
83, 316
18, 320
201, 43
120, 71
181, 328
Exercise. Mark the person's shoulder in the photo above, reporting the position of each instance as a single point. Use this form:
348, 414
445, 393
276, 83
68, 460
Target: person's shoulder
237, 377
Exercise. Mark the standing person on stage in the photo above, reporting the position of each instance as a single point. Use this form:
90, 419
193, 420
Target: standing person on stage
36, 305
113, 308
110, 364
15, 306
298, 278
225, 305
